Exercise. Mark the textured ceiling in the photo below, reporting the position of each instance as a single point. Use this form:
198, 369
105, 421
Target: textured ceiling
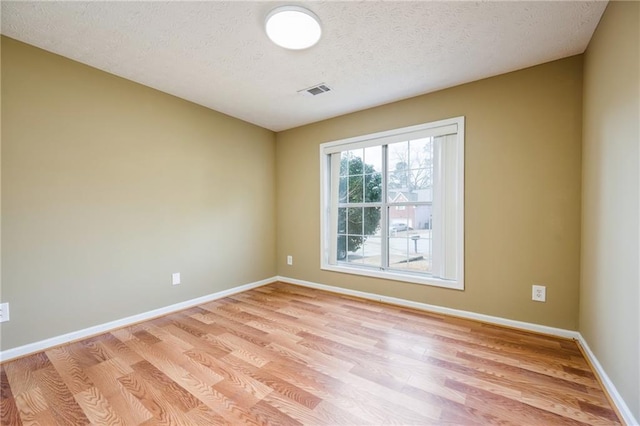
216, 53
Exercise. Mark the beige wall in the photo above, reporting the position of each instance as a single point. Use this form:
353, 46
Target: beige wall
109, 186
523, 134
610, 288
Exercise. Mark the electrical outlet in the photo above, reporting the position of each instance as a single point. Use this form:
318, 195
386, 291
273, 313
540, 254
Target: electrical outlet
175, 278
289, 260
4, 312
539, 293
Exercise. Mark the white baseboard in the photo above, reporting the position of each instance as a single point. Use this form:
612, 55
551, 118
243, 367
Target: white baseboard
438, 309
622, 406
112, 325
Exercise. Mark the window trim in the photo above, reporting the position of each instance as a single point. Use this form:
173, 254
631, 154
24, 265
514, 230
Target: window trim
381, 138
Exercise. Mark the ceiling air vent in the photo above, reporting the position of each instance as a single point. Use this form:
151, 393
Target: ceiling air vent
315, 90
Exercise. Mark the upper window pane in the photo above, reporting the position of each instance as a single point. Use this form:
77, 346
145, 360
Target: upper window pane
420, 153
355, 188
398, 166
344, 163
373, 188
343, 189
355, 162
361, 176
373, 159
410, 172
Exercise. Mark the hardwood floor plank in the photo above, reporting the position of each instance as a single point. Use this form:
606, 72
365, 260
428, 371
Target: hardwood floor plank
218, 403
97, 407
203, 415
599, 410
239, 329
286, 388
330, 414
514, 411
192, 325
266, 414
288, 355
167, 387
85, 354
291, 409
94, 346
43, 418
249, 351
237, 378
30, 404
21, 373
206, 342
167, 337
62, 405
508, 376
9, 413
72, 373
330, 383
212, 396
146, 337
195, 369
119, 349
374, 403
551, 369
105, 375
163, 411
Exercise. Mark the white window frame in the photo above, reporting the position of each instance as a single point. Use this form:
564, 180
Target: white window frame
328, 227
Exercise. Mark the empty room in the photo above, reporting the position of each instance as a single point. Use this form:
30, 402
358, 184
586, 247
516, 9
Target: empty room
320, 213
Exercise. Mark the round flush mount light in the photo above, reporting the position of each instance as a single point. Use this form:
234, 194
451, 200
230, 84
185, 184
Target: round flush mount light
293, 27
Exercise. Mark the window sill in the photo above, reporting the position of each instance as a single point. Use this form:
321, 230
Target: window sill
395, 276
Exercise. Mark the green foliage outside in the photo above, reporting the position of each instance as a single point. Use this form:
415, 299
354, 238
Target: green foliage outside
359, 182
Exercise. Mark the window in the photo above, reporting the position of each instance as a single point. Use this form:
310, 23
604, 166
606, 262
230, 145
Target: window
393, 204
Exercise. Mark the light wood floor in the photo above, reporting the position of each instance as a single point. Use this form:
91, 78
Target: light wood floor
288, 355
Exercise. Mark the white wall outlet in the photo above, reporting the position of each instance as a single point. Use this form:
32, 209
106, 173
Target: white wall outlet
175, 278
4, 312
289, 260
539, 293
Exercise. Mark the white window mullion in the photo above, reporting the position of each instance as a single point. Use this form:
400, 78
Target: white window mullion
437, 224
384, 213
449, 190
333, 208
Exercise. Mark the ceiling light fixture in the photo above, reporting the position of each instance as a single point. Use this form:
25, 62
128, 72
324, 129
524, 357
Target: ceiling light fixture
293, 27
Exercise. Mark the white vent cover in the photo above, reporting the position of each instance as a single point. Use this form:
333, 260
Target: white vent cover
318, 89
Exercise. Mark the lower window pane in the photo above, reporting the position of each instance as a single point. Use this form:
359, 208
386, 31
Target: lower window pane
411, 252
372, 252
371, 221
398, 252
341, 253
342, 220
359, 236
354, 223
355, 248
